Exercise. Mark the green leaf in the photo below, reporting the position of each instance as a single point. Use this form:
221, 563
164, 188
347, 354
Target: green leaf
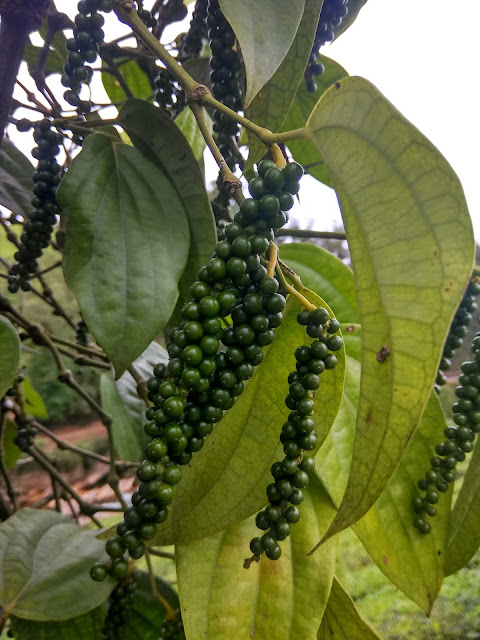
342, 620
33, 401
265, 31
11, 453
187, 124
154, 133
270, 107
123, 254
53, 63
9, 354
464, 534
89, 626
412, 561
44, 567
125, 435
304, 151
328, 276
282, 599
16, 182
136, 79
227, 481
121, 400
412, 248
146, 615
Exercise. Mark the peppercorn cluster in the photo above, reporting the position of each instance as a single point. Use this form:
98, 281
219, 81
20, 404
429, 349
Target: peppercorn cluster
459, 440
37, 229
193, 41
236, 306
119, 603
458, 329
83, 48
26, 433
298, 436
227, 87
331, 16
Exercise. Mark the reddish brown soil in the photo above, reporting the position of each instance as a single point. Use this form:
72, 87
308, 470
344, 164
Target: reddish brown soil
34, 485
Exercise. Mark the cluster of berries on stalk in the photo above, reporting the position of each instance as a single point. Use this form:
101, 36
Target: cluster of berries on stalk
83, 47
119, 603
291, 475
331, 17
458, 330
38, 228
236, 305
459, 441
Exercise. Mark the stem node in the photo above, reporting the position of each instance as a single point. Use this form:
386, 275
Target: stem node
197, 93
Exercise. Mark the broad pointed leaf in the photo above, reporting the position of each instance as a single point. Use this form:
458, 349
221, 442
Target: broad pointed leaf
9, 354
342, 620
88, 626
44, 567
156, 135
16, 184
227, 480
304, 151
270, 107
124, 255
136, 79
464, 534
265, 31
411, 244
328, 276
282, 599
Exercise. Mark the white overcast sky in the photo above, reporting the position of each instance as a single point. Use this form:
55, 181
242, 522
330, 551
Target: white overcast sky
423, 55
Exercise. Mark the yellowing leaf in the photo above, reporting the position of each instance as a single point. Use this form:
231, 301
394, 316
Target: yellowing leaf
411, 244
275, 599
342, 620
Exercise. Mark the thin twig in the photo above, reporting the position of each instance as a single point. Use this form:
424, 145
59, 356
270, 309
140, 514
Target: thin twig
171, 613
50, 268
161, 554
63, 444
40, 336
309, 233
42, 459
80, 347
